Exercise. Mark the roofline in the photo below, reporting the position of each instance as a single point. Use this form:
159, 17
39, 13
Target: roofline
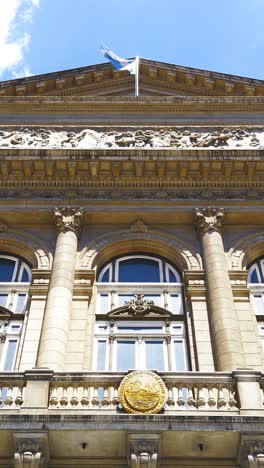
145, 61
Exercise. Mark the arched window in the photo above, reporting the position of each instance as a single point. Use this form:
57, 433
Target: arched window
140, 320
15, 278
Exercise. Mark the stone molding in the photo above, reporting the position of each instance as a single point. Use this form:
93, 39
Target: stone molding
183, 253
28, 246
209, 219
246, 250
195, 285
31, 449
69, 219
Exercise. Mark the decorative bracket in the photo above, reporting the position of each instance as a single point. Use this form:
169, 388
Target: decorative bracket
143, 450
31, 450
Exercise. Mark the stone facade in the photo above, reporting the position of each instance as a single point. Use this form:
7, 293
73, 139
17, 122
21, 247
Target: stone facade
90, 175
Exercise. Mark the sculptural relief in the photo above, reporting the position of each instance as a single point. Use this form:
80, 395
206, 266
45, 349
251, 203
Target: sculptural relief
176, 137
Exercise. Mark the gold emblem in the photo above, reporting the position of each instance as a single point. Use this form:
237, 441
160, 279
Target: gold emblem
142, 392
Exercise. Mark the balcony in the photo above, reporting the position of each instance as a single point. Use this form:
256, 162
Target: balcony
41, 391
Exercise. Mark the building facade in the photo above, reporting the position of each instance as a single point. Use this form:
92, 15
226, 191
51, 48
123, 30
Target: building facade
132, 269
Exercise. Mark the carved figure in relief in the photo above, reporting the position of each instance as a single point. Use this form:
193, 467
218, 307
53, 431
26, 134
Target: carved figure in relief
177, 137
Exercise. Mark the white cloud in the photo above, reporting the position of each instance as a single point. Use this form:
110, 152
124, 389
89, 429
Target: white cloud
14, 39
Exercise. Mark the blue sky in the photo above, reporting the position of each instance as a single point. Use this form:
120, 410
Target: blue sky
41, 36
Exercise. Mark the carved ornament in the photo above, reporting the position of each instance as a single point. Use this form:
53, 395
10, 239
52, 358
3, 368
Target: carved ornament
175, 137
139, 305
209, 219
142, 392
139, 226
3, 226
68, 219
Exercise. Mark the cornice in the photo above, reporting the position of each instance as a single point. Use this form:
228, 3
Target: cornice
160, 77
130, 105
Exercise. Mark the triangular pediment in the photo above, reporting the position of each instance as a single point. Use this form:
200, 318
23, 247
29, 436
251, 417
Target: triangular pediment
155, 79
5, 314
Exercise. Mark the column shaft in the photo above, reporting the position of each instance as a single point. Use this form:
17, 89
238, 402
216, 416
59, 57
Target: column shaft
223, 318
55, 330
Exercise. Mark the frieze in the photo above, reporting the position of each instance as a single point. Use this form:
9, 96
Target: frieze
175, 137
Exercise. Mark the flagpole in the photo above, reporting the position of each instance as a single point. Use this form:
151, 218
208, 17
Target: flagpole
136, 78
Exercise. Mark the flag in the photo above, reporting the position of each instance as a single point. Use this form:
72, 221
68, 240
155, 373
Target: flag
118, 62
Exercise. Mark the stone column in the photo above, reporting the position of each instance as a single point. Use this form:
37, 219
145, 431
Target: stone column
54, 337
223, 319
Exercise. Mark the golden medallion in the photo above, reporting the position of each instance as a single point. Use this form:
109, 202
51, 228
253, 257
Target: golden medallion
142, 392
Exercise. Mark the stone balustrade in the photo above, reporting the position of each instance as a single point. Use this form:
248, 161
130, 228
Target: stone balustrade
44, 391
12, 386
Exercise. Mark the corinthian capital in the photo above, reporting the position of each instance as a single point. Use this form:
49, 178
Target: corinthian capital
68, 219
209, 219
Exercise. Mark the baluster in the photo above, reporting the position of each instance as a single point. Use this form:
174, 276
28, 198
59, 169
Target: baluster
231, 396
180, 399
95, 399
170, 399
1, 397
221, 397
9, 397
64, 399
201, 402
85, 398
105, 399
19, 396
115, 399
74, 399
190, 398
53, 396
211, 396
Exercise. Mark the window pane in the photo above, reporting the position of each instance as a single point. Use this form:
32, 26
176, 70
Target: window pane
258, 304
172, 277
175, 304
123, 298
125, 355
3, 300
105, 277
10, 355
21, 303
25, 276
139, 328
104, 307
6, 270
179, 356
139, 270
254, 277
156, 298
154, 355
101, 355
